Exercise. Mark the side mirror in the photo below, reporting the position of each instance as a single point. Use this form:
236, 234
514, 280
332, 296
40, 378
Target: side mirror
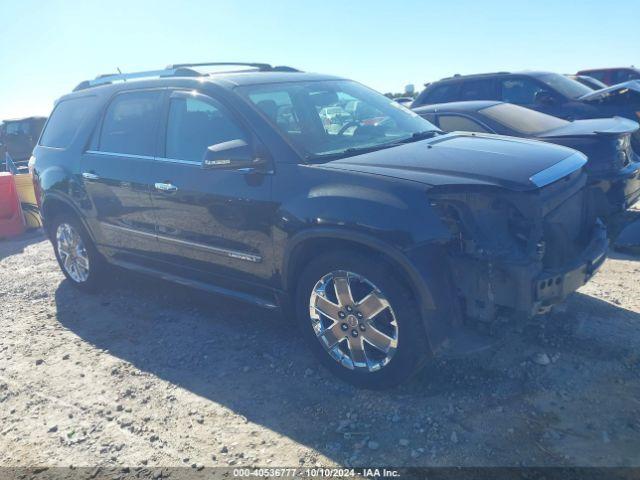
233, 154
544, 98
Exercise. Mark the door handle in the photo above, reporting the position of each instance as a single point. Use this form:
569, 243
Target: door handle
165, 187
90, 176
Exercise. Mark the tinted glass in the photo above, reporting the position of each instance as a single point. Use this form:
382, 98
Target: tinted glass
331, 117
447, 92
478, 90
598, 74
129, 125
65, 120
194, 125
520, 90
523, 120
565, 86
456, 123
620, 76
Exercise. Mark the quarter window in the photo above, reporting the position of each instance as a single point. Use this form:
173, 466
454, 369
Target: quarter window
195, 124
129, 125
456, 123
65, 121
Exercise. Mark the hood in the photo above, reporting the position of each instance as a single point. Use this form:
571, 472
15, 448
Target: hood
620, 88
470, 159
597, 126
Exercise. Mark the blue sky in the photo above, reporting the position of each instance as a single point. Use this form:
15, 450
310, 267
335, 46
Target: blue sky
48, 46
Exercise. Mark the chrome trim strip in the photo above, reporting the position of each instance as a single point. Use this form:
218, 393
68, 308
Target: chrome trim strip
238, 255
114, 154
217, 250
559, 170
175, 160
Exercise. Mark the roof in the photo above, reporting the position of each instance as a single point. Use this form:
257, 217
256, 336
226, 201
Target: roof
532, 73
470, 106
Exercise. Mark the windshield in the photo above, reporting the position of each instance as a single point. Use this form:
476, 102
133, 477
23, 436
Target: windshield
565, 86
333, 118
523, 120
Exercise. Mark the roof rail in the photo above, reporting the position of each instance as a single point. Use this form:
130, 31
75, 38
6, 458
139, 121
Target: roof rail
176, 70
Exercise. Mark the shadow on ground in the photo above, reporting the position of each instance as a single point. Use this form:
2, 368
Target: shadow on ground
16, 245
252, 362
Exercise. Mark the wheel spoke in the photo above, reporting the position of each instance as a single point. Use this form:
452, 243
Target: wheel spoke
83, 262
326, 307
343, 290
371, 305
332, 335
356, 348
378, 339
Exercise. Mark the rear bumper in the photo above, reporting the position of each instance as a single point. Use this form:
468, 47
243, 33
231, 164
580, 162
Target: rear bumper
616, 191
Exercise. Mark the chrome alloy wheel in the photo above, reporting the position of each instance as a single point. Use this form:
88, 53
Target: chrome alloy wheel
73, 254
353, 321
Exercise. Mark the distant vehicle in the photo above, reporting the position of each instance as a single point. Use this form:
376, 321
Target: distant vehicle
588, 81
406, 101
18, 137
613, 166
383, 239
612, 76
549, 93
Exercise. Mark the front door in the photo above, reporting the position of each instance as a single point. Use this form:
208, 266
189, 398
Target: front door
213, 220
116, 172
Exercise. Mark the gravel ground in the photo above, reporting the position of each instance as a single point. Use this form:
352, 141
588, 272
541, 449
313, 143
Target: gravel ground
152, 374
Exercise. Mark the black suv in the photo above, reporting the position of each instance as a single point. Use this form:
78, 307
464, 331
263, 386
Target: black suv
317, 195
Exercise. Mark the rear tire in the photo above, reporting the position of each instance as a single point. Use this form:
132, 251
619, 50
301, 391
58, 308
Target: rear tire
370, 332
77, 256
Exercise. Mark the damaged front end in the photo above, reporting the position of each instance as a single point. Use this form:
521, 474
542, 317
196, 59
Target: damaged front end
520, 252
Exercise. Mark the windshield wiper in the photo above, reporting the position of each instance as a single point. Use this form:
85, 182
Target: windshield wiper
421, 136
348, 152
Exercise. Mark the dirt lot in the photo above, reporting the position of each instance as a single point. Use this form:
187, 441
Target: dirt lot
151, 374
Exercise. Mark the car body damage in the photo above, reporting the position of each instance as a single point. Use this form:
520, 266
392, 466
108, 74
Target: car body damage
520, 252
521, 239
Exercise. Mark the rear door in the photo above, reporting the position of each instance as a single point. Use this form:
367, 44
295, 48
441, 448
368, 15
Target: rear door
213, 220
116, 171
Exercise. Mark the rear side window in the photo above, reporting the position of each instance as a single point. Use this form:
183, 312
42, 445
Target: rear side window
194, 125
456, 123
65, 121
478, 90
443, 93
129, 125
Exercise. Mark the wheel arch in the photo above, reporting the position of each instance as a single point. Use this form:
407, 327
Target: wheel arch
53, 205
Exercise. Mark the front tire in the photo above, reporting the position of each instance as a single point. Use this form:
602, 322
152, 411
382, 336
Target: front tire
360, 320
76, 254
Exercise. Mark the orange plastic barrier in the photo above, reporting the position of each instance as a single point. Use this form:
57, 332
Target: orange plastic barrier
11, 217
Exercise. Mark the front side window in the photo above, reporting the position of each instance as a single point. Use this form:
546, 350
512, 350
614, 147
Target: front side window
521, 91
195, 124
457, 123
65, 121
523, 120
597, 74
130, 122
620, 76
334, 116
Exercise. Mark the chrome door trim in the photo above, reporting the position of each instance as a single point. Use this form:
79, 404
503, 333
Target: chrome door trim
236, 254
115, 154
165, 187
90, 176
181, 162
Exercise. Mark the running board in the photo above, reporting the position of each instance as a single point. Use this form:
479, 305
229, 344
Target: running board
207, 287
